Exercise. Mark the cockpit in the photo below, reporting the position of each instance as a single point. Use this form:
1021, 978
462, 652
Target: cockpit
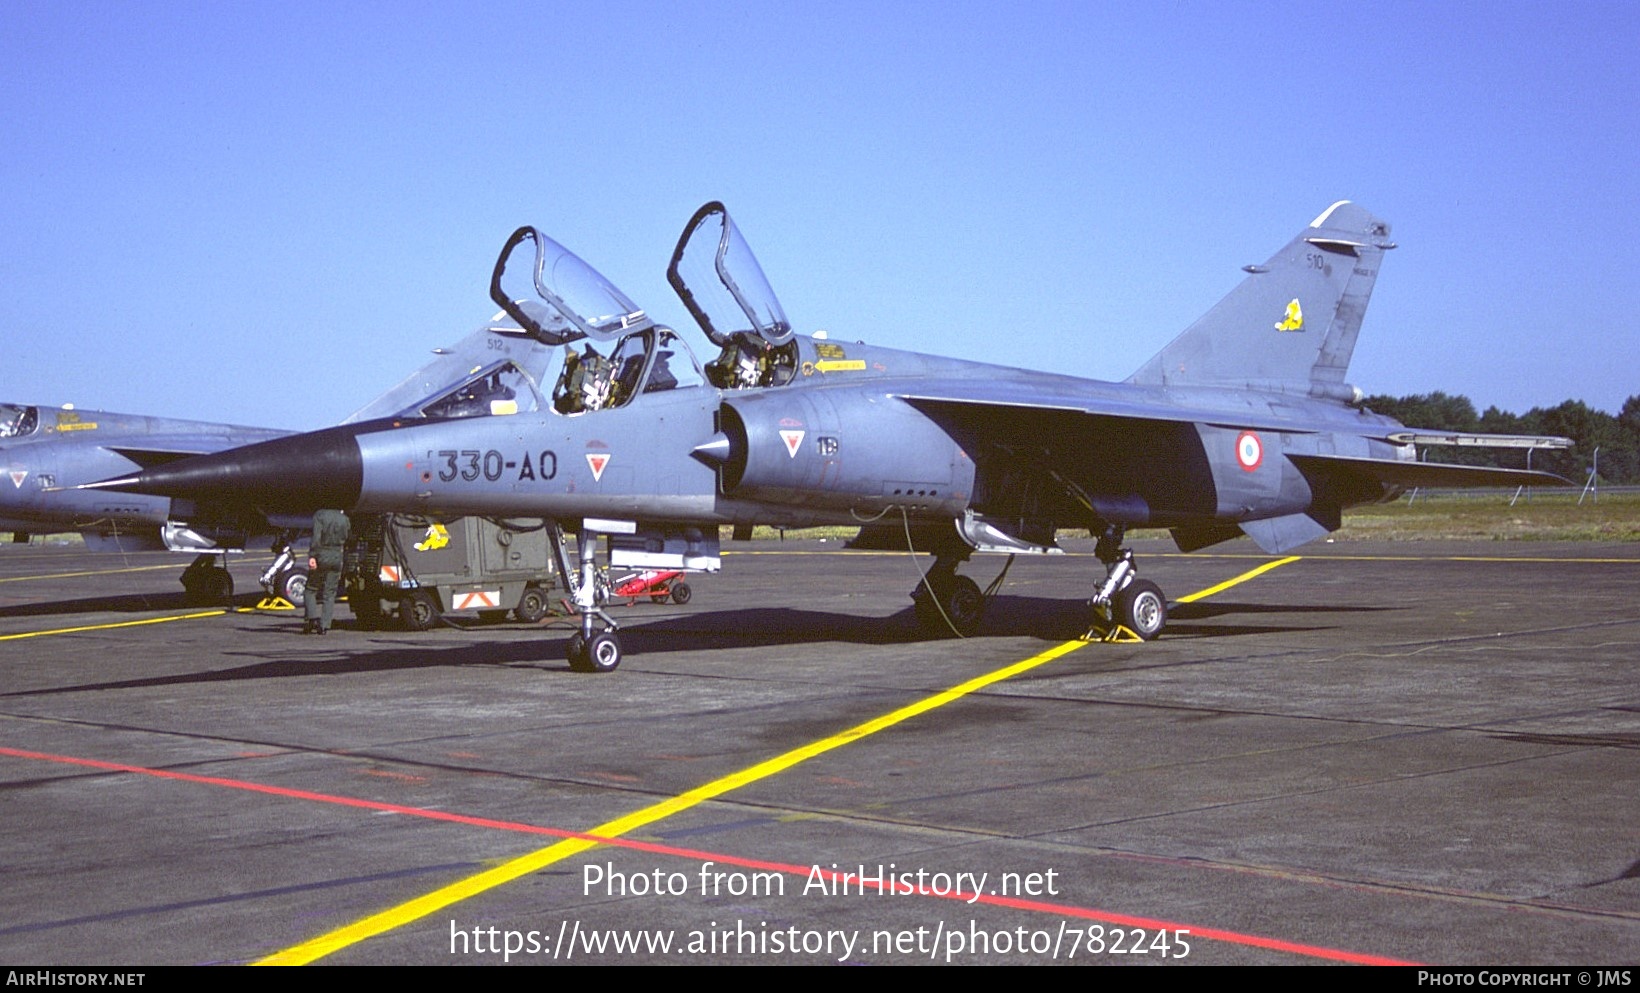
649, 361
613, 351
17, 420
499, 388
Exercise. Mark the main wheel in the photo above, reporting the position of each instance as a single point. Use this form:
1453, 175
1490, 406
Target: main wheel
532, 606
419, 611
965, 605
1141, 608
209, 586
292, 585
681, 592
957, 605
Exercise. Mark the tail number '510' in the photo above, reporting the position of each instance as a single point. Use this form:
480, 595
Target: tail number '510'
492, 465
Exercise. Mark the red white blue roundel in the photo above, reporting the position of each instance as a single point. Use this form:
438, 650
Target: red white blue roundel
1249, 451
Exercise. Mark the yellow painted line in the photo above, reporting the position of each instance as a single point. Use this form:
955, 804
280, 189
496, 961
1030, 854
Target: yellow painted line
405, 913
89, 572
123, 624
1244, 577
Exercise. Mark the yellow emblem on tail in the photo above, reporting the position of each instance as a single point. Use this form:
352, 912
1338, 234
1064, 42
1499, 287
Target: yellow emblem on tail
436, 537
1295, 318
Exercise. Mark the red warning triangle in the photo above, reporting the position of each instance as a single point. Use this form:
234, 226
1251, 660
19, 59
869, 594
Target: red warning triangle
793, 439
596, 462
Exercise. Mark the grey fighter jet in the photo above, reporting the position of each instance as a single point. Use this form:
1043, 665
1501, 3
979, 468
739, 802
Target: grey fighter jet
1243, 424
44, 451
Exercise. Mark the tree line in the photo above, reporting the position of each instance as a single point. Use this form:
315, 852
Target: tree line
1617, 438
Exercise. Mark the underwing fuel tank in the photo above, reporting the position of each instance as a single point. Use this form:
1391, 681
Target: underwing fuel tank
822, 449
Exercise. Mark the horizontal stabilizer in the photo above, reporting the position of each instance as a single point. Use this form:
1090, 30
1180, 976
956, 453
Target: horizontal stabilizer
1410, 474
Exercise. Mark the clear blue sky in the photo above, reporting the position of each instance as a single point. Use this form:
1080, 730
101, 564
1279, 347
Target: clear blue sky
266, 213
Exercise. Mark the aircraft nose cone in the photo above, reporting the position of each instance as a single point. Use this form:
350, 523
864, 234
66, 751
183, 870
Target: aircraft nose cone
297, 474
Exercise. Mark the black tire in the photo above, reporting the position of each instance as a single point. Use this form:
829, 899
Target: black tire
966, 605
209, 587
292, 585
532, 606
419, 611
1142, 609
603, 652
960, 605
681, 592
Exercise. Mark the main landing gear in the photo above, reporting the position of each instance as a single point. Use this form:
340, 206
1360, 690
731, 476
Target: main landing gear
1126, 608
945, 602
206, 583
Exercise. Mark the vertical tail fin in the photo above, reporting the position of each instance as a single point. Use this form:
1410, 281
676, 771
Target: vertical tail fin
1291, 324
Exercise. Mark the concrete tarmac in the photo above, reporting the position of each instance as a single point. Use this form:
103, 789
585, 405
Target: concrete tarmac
1416, 752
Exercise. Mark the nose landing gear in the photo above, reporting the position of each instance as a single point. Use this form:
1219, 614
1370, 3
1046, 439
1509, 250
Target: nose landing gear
589, 650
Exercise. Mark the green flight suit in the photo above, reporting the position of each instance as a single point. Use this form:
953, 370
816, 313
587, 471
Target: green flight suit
331, 530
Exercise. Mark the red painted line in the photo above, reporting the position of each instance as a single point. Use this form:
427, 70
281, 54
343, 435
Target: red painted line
693, 854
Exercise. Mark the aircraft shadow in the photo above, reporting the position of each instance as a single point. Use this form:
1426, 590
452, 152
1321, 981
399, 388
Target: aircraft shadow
350, 650
128, 603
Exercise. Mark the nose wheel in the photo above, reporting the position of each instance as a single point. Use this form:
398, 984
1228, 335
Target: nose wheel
589, 650
600, 653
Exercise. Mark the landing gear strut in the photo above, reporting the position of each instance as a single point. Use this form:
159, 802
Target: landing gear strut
1125, 606
589, 650
945, 602
287, 577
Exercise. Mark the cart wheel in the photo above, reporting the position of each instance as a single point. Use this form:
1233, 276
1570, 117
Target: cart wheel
419, 611
532, 606
681, 593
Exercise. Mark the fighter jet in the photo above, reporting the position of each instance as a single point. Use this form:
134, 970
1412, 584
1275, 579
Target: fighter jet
44, 451
1243, 424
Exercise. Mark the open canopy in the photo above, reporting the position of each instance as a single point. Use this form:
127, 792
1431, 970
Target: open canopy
715, 273
555, 296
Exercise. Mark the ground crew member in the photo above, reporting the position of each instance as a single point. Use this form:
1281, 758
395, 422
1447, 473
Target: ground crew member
331, 530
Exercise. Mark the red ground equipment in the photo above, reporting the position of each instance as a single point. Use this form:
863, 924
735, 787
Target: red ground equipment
656, 584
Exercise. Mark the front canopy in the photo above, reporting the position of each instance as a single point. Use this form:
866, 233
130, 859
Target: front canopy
555, 296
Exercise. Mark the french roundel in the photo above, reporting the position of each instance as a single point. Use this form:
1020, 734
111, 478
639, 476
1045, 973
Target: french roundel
1249, 451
